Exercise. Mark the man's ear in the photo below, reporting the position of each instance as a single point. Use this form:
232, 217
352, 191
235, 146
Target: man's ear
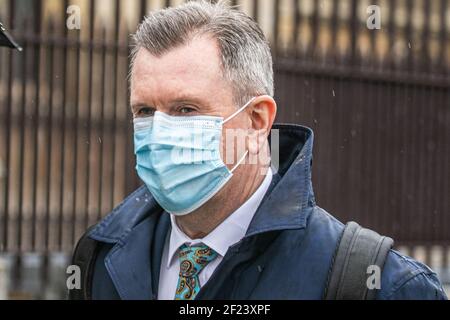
262, 111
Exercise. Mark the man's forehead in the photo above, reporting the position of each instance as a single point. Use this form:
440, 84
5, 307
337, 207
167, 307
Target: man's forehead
199, 56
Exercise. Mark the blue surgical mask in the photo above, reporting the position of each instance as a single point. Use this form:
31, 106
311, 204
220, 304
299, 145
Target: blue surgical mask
178, 158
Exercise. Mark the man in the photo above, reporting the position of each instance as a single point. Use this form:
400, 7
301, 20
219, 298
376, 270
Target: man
215, 220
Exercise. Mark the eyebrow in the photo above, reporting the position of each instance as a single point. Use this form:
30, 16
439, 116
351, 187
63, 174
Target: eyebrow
179, 99
139, 105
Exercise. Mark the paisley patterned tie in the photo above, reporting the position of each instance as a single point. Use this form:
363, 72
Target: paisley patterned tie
192, 262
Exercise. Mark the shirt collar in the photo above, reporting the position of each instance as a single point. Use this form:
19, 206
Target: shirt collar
229, 232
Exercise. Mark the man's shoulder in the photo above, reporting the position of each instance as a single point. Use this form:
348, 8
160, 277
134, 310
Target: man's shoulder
323, 225
404, 278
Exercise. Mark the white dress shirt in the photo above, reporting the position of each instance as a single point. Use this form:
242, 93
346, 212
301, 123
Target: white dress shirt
229, 232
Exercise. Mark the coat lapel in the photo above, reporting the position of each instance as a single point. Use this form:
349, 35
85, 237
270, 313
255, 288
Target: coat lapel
128, 264
134, 263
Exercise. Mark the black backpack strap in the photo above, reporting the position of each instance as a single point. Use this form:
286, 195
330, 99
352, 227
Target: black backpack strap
84, 257
358, 249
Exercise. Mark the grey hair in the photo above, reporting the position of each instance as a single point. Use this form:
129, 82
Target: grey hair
244, 51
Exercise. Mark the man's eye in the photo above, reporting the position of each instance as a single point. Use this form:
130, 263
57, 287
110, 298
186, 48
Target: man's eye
185, 110
145, 112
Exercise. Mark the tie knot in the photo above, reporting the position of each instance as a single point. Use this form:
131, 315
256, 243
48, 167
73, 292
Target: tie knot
194, 259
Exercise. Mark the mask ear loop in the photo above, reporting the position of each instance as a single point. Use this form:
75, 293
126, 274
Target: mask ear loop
239, 111
239, 162
230, 118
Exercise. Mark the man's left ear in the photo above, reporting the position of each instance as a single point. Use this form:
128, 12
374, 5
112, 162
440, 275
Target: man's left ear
262, 112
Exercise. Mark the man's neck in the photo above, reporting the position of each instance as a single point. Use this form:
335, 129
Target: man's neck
200, 223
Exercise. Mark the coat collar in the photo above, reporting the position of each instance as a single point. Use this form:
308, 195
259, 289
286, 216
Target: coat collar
291, 194
138, 227
116, 226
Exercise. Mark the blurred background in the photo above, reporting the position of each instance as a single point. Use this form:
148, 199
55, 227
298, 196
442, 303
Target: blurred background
378, 101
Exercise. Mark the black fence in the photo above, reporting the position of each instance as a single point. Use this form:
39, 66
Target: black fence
378, 101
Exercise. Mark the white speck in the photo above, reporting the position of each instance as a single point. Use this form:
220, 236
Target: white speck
99, 140
409, 45
137, 199
334, 93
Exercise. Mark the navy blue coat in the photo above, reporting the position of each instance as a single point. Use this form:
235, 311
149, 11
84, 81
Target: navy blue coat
286, 253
